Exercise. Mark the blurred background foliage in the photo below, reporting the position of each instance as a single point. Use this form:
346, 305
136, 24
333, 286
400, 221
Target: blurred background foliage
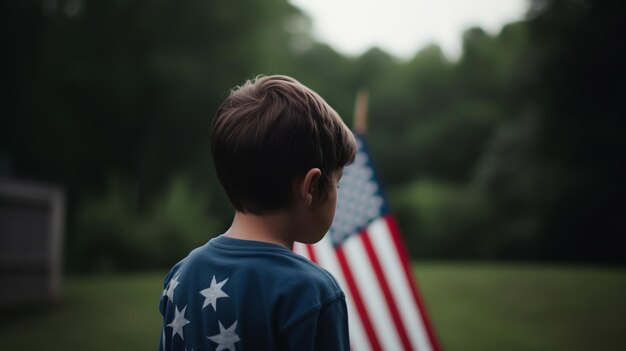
513, 151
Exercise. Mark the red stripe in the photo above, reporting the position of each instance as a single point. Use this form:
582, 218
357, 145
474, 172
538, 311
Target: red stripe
382, 282
358, 301
404, 258
309, 249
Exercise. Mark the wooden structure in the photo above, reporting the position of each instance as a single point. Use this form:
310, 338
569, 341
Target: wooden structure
31, 235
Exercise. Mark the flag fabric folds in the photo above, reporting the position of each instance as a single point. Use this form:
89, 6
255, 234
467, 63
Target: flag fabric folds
364, 251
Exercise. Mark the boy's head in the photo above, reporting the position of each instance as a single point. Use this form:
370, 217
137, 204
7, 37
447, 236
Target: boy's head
269, 132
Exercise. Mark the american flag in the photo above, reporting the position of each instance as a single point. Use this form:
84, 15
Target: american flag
364, 251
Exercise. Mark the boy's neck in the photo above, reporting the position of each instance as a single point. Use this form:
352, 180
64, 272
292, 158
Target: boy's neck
272, 228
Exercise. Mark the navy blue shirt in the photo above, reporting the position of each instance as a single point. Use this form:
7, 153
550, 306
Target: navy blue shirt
233, 294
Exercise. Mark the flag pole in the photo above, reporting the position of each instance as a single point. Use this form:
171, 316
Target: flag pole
360, 111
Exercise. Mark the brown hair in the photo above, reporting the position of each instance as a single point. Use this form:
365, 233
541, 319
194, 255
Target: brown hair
269, 131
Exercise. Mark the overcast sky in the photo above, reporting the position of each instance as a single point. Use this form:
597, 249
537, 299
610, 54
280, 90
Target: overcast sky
402, 27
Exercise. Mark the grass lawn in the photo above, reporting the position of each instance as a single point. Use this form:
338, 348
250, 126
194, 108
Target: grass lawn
523, 307
118, 312
473, 307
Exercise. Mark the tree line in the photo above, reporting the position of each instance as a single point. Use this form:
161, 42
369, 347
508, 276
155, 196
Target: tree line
513, 151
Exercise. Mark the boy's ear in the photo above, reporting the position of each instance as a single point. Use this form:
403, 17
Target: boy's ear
309, 185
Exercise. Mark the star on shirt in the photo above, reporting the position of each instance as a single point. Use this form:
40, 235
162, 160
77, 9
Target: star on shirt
169, 292
227, 337
213, 292
179, 322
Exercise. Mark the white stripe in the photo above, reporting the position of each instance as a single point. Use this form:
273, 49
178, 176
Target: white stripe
373, 298
325, 254
380, 236
300, 249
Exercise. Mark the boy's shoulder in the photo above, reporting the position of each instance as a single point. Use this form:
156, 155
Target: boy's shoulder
258, 292
278, 268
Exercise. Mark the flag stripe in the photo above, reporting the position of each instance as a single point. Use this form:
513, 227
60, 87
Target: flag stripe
404, 258
373, 298
382, 282
311, 253
300, 249
325, 252
358, 301
391, 262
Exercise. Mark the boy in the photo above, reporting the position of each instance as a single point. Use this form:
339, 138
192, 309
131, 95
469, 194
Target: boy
279, 151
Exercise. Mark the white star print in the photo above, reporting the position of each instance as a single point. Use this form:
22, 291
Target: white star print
179, 322
213, 292
227, 338
169, 292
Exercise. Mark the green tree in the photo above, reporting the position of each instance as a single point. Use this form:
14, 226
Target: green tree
553, 172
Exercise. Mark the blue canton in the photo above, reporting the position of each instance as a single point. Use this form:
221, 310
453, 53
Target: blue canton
360, 199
